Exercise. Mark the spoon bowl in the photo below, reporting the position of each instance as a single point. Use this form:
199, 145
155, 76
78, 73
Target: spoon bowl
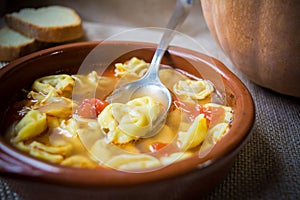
145, 87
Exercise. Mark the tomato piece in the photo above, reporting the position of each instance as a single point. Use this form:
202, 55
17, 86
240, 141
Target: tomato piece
99, 105
194, 110
207, 111
156, 146
91, 108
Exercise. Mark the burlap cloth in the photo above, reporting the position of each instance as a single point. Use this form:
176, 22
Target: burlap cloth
268, 167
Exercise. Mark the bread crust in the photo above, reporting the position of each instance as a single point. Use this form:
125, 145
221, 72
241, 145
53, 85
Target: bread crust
9, 53
46, 34
12, 51
39, 37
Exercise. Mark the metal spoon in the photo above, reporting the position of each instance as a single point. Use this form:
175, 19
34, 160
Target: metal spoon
150, 84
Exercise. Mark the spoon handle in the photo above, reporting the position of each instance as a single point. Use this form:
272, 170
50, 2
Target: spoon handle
180, 13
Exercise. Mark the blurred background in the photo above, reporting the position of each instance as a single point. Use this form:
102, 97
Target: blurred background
103, 18
118, 12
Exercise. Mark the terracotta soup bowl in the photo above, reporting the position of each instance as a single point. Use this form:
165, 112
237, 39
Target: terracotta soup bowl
32, 178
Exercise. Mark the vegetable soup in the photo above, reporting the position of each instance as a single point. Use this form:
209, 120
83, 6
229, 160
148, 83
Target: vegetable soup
66, 120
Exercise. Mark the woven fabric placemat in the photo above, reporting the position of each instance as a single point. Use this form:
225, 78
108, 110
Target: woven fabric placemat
268, 167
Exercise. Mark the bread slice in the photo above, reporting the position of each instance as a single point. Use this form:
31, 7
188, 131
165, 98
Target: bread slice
53, 24
14, 45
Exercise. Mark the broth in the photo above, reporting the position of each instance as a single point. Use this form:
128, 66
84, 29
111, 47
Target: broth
65, 120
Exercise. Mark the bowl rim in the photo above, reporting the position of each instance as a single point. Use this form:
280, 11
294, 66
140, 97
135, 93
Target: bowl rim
43, 171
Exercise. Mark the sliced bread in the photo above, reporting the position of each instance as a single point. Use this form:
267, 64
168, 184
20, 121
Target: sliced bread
13, 44
52, 24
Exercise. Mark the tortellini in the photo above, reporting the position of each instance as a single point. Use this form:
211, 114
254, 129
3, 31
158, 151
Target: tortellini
190, 90
170, 77
62, 84
92, 85
220, 126
50, 153
195, 134
79, 161
227, 115
133, 66
116, 136
61, 107
52, 95
31, 125
124, 123
69, 127
129, 162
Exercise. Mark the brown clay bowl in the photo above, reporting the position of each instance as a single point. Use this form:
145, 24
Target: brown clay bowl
31, 178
